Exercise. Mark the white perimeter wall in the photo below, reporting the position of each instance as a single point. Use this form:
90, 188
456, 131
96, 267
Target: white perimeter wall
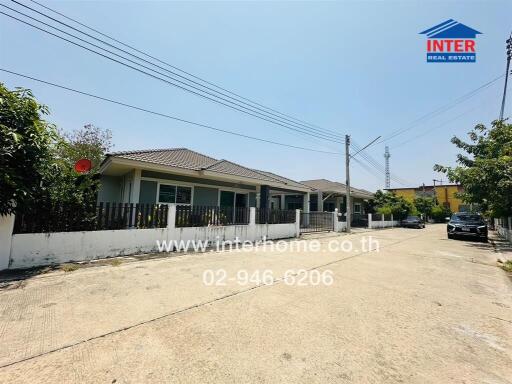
384, 224
505, 233
36, 249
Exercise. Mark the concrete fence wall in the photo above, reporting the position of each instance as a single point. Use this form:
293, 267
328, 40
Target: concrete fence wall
37, 249
504, 227
382, 223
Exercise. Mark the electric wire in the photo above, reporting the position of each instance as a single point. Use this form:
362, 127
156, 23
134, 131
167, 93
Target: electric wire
131, 106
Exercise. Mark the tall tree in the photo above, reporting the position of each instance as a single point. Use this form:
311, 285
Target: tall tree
424, 205
388, 203
26, 145
485, 169
89, 142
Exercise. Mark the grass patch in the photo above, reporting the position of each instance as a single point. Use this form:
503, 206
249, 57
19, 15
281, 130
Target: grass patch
115, 262
507, 266
69, 267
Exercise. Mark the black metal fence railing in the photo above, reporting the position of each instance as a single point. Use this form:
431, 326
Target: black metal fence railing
376, 217
64, 217
359, 220
203, 216
274, 216
316, 221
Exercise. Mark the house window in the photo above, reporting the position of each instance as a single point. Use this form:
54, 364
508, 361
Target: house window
183, 195
294, 205
167, 194
357, 208
172, 194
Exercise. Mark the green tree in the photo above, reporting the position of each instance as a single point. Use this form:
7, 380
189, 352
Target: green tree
89, 142
424, 205
439, 213
26, 145
485, 170
388, 203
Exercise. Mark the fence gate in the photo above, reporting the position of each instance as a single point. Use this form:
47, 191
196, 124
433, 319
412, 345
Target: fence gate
316, 221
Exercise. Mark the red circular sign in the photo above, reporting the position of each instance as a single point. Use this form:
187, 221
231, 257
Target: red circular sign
83, 165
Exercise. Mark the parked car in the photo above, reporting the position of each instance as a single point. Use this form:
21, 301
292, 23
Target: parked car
413, 222
467, 225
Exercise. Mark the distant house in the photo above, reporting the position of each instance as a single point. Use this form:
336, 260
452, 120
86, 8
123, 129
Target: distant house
444, 194
183, 176
329, 195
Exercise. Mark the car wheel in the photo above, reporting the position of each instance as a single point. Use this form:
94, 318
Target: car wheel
485, 239
450, 236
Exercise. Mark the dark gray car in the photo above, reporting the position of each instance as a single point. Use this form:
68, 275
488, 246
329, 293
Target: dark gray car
463, 224
413, 222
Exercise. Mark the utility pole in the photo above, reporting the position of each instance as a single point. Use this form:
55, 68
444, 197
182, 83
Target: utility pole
435, 191
347, 181
509, 56
388, 174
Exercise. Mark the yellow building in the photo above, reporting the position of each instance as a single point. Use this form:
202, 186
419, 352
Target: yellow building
445, 194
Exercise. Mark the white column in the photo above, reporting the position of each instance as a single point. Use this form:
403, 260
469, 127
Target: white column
283, 201
392, 223
369, 220
6, 227
134, 198
337, 199
252, 216
171, 216
297, 223
305, 204
337, 226
320, 202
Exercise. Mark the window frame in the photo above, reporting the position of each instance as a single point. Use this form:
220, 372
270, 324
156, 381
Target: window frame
176, 186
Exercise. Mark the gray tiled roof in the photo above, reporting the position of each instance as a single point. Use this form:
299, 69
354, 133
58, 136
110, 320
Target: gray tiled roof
187, 159
174, 157
333, 186
285, 180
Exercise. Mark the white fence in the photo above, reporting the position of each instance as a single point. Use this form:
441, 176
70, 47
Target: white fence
504, 227
36, 249
373, 224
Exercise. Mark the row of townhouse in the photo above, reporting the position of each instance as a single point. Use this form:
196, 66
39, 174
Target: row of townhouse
174, 196
185, 177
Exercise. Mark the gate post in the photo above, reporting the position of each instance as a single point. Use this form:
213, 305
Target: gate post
335, 221
392, 222
6, 227
297, 223
369, 221
171, 216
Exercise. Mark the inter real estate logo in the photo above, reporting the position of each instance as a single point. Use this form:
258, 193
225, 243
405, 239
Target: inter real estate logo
451, 42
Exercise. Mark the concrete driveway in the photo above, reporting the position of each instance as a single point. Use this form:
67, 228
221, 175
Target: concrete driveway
424, 309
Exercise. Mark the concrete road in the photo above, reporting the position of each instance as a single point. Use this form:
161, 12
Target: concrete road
423, 309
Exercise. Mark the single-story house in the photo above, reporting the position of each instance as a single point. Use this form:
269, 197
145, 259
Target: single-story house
183, 176
329, 195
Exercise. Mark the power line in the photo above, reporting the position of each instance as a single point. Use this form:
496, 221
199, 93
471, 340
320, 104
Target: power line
368, 169
164, 115
157, 77
436, 127
440, 110
257, 112
378, 166
174, 67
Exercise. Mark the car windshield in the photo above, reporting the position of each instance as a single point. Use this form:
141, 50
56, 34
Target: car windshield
412, 218
467, 218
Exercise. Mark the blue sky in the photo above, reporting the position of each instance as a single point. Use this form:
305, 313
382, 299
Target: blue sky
353, 67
